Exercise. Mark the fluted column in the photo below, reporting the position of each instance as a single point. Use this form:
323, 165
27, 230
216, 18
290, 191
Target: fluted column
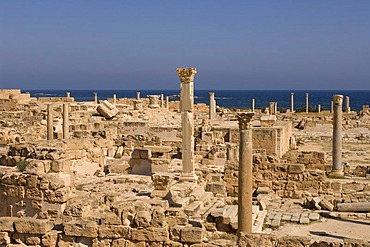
49, 124
65, 121
186, 76
212, 106
337, 169
291, 102
245, 176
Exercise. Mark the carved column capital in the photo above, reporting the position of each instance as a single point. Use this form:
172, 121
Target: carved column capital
245, 120
338, 99
186, 75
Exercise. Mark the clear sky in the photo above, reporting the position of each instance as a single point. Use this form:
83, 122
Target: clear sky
136, 44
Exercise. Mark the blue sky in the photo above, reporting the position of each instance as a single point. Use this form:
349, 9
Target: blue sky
68, 44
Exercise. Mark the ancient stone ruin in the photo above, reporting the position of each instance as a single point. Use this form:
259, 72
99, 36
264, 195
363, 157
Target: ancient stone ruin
150, 171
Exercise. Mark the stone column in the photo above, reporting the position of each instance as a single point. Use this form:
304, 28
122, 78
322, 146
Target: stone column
138, 104
273, 108
245, 176
138, 95
167, 103
337, 169
95, 97
212, 106
319, 108
186, 76
291, 102
50, 120
65, 121
348, 109
253, 104
306, 102
114, 98
331, 106
162, 100
153, 101
68, 94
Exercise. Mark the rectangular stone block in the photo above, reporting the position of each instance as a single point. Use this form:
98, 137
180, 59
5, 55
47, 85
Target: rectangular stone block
114, 231
296, 168
192, 235
33, 226
150, 234
81, 228
7, 224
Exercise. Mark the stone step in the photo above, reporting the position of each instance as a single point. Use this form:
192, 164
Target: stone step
193, 208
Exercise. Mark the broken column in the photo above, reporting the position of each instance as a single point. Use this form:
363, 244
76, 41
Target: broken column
65, 121
318, 108
291, 102
186, 76
245, 176
253, 104
138, 104
337, 169
138, 95
107, 110
153, 101
348, 108
49, 124
68, 94
162, 101
114, 98
331, 106
95, 97
306, 102
167, 103
273, 108
212, 106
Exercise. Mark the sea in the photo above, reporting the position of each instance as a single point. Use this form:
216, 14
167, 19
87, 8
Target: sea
228, 98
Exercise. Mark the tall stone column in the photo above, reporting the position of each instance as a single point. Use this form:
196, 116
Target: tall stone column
245, 176
114, 99
319, 108
95, 97
138, 95
337, 169
306, 102
167, 103
253, 104
49, 123
68, 94
291, 102
65, 121
186, 76
212, 106
348, 108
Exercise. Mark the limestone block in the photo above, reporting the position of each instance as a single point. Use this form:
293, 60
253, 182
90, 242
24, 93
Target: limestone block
325, 204
60, 195
158, 217
32, 181
36, 167
34, 194
33, 226
352, 187
119, 242
32, 240
216, 188
102, 243
6, 224
107, 110
63, 165
114, 231
192, 235
4, 238
50, 239
150, 234
143, 218
296, 168
81, 228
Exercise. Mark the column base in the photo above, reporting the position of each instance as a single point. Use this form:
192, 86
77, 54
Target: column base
188, 177
336, 174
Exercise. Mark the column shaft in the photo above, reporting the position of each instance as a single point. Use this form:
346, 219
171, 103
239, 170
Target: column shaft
253, 105
49, 126
212, 106
65, 121
291, 102
337, 136
306, 102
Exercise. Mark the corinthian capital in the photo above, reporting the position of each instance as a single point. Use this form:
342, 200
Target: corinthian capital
186, 75
245, 120
338, 99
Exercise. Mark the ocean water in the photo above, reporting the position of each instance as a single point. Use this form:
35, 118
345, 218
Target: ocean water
227, 98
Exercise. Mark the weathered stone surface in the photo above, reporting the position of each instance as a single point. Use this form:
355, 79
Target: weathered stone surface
50, 239
150, 234
192, 235
107, 110
114, 231
81, 229
296, 168
7, 224
34, 226
325, 204
143, 218
4, 238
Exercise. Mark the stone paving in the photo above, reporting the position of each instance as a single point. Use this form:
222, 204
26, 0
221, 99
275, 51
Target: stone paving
274, 219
